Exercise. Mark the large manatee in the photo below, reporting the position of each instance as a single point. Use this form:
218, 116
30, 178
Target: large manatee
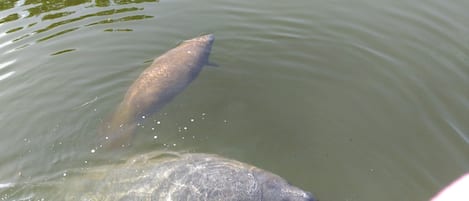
160, 176
167, 76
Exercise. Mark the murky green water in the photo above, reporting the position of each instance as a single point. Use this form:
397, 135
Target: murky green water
352, 100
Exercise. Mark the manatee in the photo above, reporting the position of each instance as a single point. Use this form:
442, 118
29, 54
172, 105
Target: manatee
166, 77
159, 176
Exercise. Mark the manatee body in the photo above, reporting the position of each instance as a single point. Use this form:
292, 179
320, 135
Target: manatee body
167, 76
190, 176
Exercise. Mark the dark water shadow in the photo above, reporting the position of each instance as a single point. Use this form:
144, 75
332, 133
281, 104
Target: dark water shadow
35, 21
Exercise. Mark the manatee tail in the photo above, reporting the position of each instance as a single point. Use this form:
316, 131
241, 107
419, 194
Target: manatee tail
115, 132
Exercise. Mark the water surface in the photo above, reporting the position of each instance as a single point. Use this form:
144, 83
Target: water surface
352, 100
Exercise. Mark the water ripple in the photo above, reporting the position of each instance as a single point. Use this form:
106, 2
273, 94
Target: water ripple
4, 65
48, 20
6, 75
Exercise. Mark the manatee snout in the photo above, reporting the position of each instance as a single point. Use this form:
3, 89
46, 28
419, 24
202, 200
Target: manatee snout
204, 38
310, 197
307, 197
275, 188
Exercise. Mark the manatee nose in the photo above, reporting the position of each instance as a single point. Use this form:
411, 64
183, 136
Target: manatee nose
309, 197
209, 37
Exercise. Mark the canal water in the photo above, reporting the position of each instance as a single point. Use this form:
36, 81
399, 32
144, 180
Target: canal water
352, 100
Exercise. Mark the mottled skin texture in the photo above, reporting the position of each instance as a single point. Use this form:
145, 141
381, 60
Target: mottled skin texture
166, 77
191, 177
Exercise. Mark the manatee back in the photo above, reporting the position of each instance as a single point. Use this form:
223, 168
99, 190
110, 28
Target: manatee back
194, 177
207, 177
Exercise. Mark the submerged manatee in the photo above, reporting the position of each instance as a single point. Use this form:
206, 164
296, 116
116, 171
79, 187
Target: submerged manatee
167, 76
160, 176
180, 177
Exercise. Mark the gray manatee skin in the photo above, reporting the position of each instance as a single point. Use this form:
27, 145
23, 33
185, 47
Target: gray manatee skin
166, 77
191, 177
